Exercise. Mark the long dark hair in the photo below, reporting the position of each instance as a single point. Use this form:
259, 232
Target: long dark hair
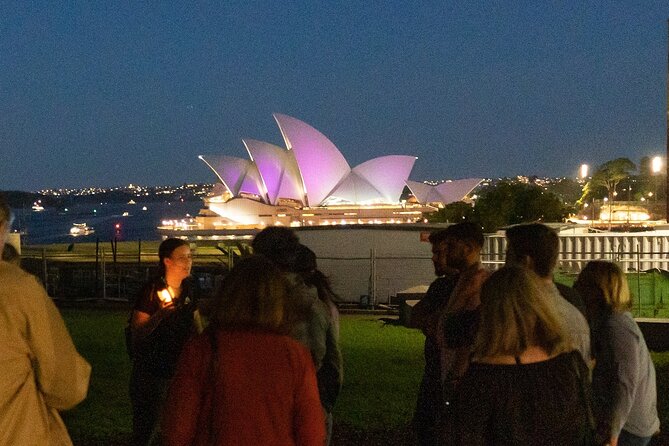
306, 266
254, 295
166, 249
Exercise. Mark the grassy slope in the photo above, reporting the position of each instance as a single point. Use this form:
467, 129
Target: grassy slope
383, 365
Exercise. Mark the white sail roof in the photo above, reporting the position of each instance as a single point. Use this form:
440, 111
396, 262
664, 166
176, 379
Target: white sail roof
278, 170
237, 174
447, 192
457, 190
312, 171
321, 164
388, 174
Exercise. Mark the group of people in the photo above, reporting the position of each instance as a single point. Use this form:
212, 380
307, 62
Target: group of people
262, 366
512, 358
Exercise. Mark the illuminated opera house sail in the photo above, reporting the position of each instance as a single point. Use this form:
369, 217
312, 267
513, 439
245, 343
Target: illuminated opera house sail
310, 183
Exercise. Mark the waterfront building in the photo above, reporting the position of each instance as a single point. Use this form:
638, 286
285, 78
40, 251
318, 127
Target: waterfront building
310, 183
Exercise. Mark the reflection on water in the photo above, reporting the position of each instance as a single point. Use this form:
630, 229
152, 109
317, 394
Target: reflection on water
53, 225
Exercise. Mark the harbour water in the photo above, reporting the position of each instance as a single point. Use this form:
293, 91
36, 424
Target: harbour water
135, 221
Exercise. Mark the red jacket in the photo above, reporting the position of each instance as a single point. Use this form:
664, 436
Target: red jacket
264, 393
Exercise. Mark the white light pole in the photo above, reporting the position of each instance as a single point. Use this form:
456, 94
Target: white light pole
583, 175
656, 165
583, 171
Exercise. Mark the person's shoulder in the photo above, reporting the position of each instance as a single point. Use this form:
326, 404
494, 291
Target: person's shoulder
13, 276
295, 348
571, 295
572, 314
622, 323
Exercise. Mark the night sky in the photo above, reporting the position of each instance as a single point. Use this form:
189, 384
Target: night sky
111, 93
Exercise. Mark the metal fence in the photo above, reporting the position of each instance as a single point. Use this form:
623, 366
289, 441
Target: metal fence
105, 275
368, 280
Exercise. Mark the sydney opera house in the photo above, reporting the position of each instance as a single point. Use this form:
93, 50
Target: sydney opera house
310, 183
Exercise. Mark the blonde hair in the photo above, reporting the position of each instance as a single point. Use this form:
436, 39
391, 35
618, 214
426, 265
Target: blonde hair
604, 284
254, 295
515, 315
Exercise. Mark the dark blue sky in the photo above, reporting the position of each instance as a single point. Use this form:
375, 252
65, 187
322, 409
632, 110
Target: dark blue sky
111, 93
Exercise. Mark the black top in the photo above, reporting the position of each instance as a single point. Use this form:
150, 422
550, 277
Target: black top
159, 351
148, 302
541, 403
435, 299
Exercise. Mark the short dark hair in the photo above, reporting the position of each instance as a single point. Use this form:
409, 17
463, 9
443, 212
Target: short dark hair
279, 244
467, 232
305, 260
538, 242
438, 236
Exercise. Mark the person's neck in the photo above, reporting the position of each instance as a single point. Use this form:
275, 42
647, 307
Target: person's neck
531, 355
173, 282
548, 280
470, 263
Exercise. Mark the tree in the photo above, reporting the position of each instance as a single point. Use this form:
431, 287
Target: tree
509, 203
608, 176
452, 213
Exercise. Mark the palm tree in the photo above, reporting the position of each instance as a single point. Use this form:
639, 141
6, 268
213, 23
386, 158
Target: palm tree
609, 175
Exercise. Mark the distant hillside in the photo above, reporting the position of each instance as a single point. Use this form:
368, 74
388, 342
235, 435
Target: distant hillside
20, 199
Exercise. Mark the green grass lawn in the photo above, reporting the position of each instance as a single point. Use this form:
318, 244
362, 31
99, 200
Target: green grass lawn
383, 366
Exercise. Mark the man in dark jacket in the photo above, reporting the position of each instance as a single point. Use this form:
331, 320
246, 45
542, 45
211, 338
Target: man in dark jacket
425, 316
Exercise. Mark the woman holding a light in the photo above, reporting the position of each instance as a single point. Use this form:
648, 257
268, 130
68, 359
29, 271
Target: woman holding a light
160, 323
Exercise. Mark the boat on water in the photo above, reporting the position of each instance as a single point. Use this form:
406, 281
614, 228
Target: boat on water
37, 206
78, 229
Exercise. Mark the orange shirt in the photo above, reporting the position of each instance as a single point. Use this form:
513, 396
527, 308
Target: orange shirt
264, 392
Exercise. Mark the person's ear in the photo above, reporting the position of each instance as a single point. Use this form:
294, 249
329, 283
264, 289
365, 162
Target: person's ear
469, 248
528, 263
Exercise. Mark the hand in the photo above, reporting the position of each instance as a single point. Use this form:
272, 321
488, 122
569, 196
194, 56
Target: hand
164, 305
165, 310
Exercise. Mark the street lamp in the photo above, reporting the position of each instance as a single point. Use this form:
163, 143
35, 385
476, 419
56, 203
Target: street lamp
656, 164
583, 174
655, 168
583, 171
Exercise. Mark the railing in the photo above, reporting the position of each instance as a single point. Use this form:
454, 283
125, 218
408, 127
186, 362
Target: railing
111, 276
370, 280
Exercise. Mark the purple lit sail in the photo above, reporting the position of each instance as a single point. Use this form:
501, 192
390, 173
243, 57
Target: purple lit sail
321, 164
278, 169
237, 174
388, 174
447, 192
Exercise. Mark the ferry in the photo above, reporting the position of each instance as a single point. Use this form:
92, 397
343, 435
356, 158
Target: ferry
80, 229
37, 206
